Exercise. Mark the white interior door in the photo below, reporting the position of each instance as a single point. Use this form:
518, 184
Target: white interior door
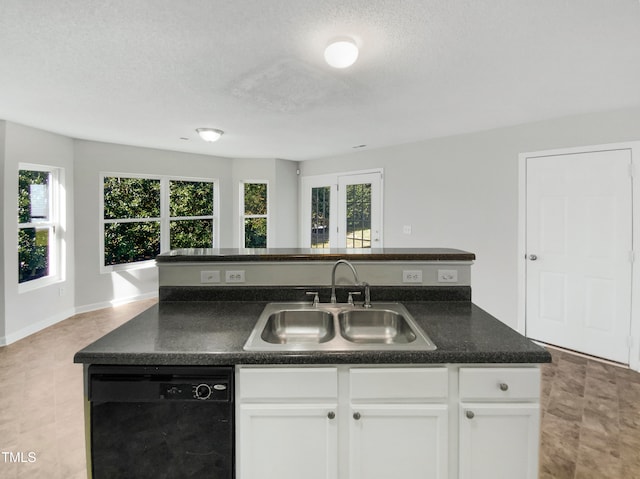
579, 251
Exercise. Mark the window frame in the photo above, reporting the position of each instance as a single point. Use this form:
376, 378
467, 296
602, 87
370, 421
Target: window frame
164, 219
243, 216
54, 224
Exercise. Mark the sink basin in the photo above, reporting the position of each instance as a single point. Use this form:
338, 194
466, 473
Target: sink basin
336, 327
375, 326
298, 326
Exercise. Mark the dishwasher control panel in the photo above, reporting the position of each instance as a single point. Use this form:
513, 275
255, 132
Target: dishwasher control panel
202, 391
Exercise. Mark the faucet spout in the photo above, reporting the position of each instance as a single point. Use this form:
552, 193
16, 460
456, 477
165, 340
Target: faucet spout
333, 277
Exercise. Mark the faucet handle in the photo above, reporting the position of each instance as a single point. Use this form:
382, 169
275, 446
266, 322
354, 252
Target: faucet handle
351, 293
316, 299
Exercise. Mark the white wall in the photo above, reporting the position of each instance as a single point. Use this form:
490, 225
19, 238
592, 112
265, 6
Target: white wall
462, 192
28, 312
285, 204
94, 289
3, 176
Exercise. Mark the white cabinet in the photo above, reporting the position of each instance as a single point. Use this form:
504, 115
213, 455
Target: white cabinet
499, 422
399, 440
287, 427
398, 423
380, 423
280, 441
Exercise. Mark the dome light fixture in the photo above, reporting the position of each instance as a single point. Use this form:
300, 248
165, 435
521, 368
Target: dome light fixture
341, 53
209, 134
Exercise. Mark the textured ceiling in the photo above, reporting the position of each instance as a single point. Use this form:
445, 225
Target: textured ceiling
149, 72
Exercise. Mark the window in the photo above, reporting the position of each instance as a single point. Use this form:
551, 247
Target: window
143, 216
255, 215
38, 224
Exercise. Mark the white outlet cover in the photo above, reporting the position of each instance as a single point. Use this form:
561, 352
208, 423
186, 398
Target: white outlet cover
412, 276
234, 276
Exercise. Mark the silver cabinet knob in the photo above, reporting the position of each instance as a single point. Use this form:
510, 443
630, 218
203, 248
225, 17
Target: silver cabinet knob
356, 415
470, 414
331, 415
533, 257
504, 386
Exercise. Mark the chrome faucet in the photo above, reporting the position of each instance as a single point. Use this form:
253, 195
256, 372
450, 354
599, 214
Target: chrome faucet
367, 294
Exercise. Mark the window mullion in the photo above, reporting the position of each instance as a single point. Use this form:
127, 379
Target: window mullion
164, 215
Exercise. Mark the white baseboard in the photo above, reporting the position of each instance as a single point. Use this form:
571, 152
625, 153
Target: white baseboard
34, 328
115, 302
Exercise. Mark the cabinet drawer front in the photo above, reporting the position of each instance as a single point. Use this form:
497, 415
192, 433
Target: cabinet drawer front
398, 383
288, 383
500, 383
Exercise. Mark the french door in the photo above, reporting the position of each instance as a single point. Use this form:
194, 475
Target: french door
342, 211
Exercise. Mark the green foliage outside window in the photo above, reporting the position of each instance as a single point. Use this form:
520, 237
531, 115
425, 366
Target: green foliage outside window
139, 199
131, 198
255, 203
191, 234
190, 198
126, 198
33, 254
33, 243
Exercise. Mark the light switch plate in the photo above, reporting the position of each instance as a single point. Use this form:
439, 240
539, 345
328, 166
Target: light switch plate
209, 277
447, 276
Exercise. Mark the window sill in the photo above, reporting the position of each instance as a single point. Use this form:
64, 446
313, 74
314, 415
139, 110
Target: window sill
39, 283
117, 268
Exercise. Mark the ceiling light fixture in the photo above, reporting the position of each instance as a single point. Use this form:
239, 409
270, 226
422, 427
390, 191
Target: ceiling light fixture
209, 134
341, 53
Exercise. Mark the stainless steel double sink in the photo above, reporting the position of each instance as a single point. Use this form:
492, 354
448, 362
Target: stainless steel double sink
336, 327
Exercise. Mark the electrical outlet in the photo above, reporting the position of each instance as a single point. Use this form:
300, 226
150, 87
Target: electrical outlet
447, 276
412, 276
234, 277
209, 276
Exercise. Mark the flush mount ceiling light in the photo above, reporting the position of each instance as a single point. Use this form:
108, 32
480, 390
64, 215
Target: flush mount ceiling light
209, 134
341, 53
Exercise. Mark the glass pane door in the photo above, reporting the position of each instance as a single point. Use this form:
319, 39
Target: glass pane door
360, 211
320, 216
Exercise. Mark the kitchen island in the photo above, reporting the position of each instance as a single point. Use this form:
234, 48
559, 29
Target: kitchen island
451, 412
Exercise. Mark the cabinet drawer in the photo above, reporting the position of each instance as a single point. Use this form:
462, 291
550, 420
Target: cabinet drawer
499, 383
398, 383
288, 383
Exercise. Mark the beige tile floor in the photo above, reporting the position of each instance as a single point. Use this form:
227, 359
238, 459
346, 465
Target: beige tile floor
590, 410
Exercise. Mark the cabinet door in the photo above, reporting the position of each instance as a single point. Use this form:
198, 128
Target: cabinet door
499, 441
287, 441
405, 441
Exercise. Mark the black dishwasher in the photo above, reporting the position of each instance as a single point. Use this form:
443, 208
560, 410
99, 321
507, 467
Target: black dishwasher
161, 422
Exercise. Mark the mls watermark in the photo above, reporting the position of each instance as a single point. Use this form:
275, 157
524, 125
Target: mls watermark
18, 457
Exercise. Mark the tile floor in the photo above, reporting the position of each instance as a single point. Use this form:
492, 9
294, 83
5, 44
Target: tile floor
590, 410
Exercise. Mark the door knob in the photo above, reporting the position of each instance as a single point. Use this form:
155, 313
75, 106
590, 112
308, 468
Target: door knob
533, 257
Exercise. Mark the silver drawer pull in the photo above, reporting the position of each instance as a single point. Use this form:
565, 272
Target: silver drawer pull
331, 415
504, 386
470, 414
356, 415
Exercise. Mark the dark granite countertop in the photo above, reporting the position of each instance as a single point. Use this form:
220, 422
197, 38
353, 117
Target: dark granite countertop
314, 254
214, 333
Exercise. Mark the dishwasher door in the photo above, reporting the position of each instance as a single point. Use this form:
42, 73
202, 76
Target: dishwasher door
161, 422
